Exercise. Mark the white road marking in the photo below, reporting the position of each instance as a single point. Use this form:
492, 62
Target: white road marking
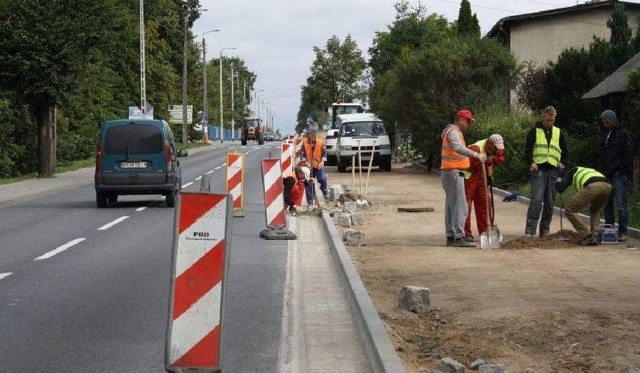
107, 226
187, 184
198, 178
217, 168
210, 172
141, 208
60, 249
3, 275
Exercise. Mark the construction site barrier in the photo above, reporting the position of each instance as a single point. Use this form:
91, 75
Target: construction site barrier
286, 162
298, 152
274, 202
235, 181
200, 256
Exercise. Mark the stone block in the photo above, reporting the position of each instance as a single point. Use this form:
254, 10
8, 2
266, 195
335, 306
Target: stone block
414, 299
353, 237
350, 206
491, 368
357, 218
448, 365
344, 219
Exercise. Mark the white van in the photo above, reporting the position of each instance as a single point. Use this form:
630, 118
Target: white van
362, 130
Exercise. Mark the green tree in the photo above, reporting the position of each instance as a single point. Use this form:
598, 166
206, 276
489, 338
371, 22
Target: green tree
467, 23
337, 73
620, 47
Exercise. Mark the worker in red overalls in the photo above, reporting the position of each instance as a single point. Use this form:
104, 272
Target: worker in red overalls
474, 185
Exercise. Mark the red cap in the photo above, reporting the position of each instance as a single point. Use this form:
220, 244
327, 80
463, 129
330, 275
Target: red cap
466, 114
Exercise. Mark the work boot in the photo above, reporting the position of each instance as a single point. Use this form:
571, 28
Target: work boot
622, 237
469, 239
461, 242
449, 241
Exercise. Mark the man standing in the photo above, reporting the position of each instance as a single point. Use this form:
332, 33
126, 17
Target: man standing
593, 189
455, 160
615, 162
545, 152
314, 153
474, 184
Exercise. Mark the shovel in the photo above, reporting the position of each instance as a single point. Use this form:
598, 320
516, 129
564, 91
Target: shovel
489, 239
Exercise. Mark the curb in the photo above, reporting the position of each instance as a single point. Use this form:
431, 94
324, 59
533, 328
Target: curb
380, 350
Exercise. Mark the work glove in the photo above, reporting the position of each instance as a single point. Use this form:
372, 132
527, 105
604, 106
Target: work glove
481, 157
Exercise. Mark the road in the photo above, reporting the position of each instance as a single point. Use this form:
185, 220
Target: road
86, 290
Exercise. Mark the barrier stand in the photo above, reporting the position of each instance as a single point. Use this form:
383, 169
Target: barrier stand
202, 235
285, 157
235, 182
274, 202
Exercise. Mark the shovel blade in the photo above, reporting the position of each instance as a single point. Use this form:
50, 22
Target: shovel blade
491, 239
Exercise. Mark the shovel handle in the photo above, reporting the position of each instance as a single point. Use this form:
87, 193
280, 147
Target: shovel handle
486, 200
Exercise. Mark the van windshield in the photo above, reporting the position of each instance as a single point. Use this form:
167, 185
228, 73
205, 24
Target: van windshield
372, 128
133, 139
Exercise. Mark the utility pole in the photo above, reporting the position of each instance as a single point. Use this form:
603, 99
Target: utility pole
233, 122
185, 132
205, 104
143, 81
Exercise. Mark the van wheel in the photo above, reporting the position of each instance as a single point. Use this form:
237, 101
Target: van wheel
341, 167
170, 199
387, 167
101, 199
112, 198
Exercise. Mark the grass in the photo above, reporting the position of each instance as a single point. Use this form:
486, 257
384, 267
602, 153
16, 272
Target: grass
83, 163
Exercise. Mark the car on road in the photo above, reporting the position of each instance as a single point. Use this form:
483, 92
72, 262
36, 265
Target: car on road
331, 142
362, 139
137, 156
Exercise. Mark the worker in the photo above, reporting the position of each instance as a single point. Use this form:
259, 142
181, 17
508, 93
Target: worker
474, 183
593, 189
294, 188
314, 153
454, 161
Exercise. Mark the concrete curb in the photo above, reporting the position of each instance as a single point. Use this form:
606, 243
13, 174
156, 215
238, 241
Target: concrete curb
380, 350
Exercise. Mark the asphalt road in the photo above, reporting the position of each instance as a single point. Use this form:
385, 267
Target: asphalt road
89, 288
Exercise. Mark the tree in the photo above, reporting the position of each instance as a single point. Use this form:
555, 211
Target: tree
337, 73
467, 23
620, 48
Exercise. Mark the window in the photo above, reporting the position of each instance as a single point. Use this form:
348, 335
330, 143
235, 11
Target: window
133, 139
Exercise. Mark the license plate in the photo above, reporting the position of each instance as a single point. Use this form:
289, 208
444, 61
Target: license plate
141, 164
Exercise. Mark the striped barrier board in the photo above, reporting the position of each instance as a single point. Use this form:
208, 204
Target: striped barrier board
274, 201
285, 158
235, 181
200, 255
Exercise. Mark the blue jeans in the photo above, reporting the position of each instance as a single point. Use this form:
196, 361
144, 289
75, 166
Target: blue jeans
543, 193
619, 198
321, 175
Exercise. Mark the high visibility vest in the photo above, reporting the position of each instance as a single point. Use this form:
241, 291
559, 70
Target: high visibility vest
547, 153
582, 175
450, 159
480, 144
314, 157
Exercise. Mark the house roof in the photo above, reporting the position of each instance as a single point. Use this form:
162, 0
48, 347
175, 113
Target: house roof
504, 24
616, 82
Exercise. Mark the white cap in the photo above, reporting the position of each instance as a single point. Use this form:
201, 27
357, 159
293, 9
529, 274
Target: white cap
497, 141
306, 172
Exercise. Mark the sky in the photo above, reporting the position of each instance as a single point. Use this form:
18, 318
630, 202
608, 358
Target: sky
275, 38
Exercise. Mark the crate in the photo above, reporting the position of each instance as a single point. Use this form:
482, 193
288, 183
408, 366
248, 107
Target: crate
608, 235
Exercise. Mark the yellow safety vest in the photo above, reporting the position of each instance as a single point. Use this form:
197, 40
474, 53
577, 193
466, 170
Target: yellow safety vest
547, 153
582, 175
450, 159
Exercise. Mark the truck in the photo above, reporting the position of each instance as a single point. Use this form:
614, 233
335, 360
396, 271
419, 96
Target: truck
340, 108
252, 130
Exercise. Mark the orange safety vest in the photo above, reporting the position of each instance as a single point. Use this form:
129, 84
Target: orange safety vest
450, 159
314, 157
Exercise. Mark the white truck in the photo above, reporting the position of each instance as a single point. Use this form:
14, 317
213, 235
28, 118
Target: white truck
362, 137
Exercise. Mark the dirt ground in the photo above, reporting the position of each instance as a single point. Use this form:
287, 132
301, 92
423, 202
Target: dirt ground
544, 304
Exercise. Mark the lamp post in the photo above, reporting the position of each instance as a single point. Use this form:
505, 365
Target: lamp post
205, 107
143, 81
233, 120
221, 109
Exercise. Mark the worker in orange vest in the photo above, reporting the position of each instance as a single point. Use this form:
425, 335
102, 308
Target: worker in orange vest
474, 185
314, 153
454, 161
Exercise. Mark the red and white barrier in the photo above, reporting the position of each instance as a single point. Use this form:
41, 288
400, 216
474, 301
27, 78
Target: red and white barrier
235, 181
274, 201
298, 152
201, 234
285, 158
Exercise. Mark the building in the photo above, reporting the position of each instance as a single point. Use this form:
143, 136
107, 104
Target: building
539, 38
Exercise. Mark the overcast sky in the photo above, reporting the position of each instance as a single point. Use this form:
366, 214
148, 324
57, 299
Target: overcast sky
276, 37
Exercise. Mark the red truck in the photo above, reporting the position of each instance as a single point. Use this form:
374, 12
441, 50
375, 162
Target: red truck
252, 129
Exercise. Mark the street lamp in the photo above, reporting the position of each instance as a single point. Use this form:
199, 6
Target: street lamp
233, 120
205, 107
221, 109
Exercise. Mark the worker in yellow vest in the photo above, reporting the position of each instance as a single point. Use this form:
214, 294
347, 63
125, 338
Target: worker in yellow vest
593, 189
546, 153
454, 161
